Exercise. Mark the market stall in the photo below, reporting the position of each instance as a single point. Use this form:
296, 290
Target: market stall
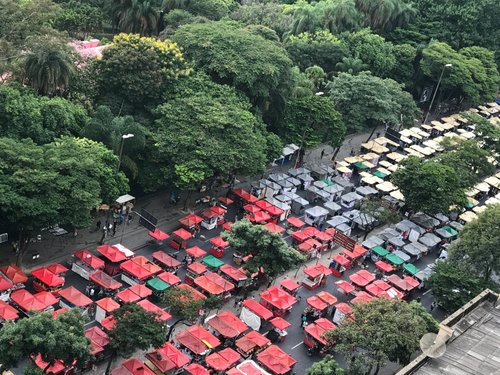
362, 278
251, 343
276, 360
193, 271
170, 278
315, 215
99, 340
235, 275
314, 337
361, 297
158, 236
72, 298
105, 282
278, 333
381, 289
405, 285
7, 312
213, 264
213, 217
213, 284
254, 313
112, 257
294, 223
15, 275
166, 262
84, 263
28, 303
345, 287
222, 360
104, 308
45, 280
277, 301
218, 246
158, 286
191, 221
161, 314
227, 326
180, 238
342, 311
137, 270
197, 340
289, 286
338, 265
167, 359
315, 276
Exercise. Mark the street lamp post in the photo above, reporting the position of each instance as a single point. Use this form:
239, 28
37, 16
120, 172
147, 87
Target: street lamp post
436, 90
124, 136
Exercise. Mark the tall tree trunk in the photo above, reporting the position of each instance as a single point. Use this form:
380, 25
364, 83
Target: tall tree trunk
111, 359
377, 369
187, 200
335, 153
371, 134
23, 244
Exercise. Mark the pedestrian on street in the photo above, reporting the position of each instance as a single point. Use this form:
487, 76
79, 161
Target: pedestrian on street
98, 225
433, 305
352, 152
419, 299
114, 230
129, 218
322, 153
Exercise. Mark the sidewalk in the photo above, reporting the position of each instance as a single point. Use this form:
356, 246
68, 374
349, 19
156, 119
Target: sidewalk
58, 248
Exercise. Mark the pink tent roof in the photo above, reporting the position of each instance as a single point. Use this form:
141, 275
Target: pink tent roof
361, 297
362, 278
48, 278
345, 286
213, 283
196, 369
98, 339
136, 270
111, 253
318, 329
74, 296
258, 309
167, 358
219, 242
57, 268
310, 231
274, 228
280, 323
237, 274
158, 235
289, 284
4, 283
7, 312
223, 359
227, 324
169, 278
316, 303
89, 259
105, 281
127, 296
278, 298
251, 340
295, 221
383, 266
149, 306
317, 270
14, 273
108, 304
197, 339
182, 234
141, 290
327, 298
276, 360
166, 259
132, 366
190, 220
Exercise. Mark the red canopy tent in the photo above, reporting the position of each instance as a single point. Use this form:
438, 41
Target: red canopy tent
380, 288
263, 204
318, 328
227, 324
182, 234
299, 236
108, 304
197, 339
45, 277
278, 298
105, 281
98, 339
5, 284
274, 228
252, 340
168, 358
309, 245
362, 278
280, 323
213, 283
58, 312
158, 235
344, 308
236, 274
276, 360
194, 294
289, 286
406, 284
310, 231
274, 211
196, 369
108, 323
246, 196
383, 266
219, 242
165, 260
218, 210
111, 253
55, 369
196, 252
169, 278
327, 298
330, 231
180, 238
251, 208
36, 302
316, 303
361, 297
127, 296
295, 222
74, 297
132, 366
149, 306
226, 201
190, 220
136, 270
222, 360
7, 312
340, 259
322, 236
359, 250
317, 270
345, 287
141, 290
14, 273
57, 269
89, 259
227, 226
257, 309
259, 217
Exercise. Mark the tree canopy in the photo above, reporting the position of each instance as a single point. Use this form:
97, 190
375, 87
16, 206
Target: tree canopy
374, 335
429, 186
327, 366
268, 249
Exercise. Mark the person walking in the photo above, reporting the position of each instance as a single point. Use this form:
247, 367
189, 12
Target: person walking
322, 153
98, 225
433, 305
114, 229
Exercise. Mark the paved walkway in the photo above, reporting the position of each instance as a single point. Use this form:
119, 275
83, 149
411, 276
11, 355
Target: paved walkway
58, 248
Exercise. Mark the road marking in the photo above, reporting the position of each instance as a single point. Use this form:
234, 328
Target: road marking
299, 344
427, 292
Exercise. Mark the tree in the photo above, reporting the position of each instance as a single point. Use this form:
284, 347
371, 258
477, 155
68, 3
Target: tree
351, 65
453, 284
78, 18
320, 48
403, 70
182, 303
374, 335
61, 183
429, 186
232, 55
487, 133
268, 249
368, 101
478, 244
327, 366
385, 15
469, 161
136, 16
380, 210
62, 338
48, 67
23, 114
310, 121
205, 130
212, 9
138, 69
339, 15
372, 49
135, 329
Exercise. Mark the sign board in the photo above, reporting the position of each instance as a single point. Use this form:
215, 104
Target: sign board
346, 242
147, 220
4, 237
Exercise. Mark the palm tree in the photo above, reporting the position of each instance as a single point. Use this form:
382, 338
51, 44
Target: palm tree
351, 65
136, 16
305, 18
339, 15
48, 68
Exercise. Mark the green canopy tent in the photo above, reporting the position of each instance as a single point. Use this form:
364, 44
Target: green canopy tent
394, 259
411, 269
158, 286
328, 182
450, 230
212, 262
379, 174
360, 165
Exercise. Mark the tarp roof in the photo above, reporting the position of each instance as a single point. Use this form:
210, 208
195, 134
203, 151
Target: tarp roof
289, 284
4, 283
237, 274
141, 290
136, 270
327, 298
169, 278
14, 273
258, 309
251, 340
127, 296
278, 298
168, 357
213, 283
48, 278
197, 339
98, 339
276, 360
111, 253
74, 296
158, 235
223, 359
57, 268
149, 306
318, 328
280, 323
196, 369
132, 366
196, 252
7, 312
89, 259
190, 220
104, 280
316, 303
362, 277
108, 304
227, 324
317, 270
166, 259
182, 234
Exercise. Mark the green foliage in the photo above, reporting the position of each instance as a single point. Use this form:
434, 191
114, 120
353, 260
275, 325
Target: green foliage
372, 49
327, 366
76, 17
382, 330
310, 121
135, 329
453, 284
234, 56
351, 65
469, 161
48, 67
478, 244
182, 303
268, 249
429, 186
487, 133
26, 115
33, 370
212, 9
207, 130
386, 15
61, 339
139, 69
381, 210
367, 101
264, 32
472, 77
403, 70
320, 48
136, 16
